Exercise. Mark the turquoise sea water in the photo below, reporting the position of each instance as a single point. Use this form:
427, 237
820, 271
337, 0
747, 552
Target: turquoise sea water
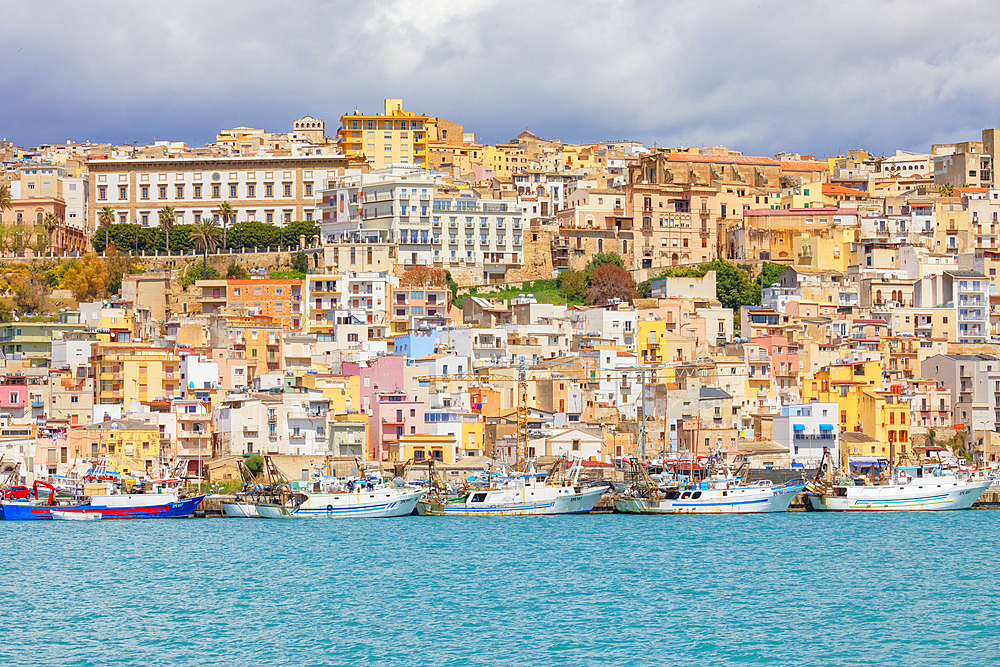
894, 589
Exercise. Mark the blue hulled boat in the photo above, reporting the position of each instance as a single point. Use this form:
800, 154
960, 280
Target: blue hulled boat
117, 506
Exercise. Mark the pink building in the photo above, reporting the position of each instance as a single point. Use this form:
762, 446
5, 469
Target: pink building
384, 375
14, 396
393, 414
784, 362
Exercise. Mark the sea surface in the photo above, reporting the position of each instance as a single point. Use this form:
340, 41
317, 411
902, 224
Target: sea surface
789, 589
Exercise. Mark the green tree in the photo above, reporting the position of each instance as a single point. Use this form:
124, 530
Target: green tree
600, 258
227, 214
947, 190
452, 285
645, 289
769, 274
236, 271
572, 285
205, 235
254, 463
167, 217
300, 262
106, 218
197, 272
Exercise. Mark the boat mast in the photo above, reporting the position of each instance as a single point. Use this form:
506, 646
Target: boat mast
642, 424
522, 416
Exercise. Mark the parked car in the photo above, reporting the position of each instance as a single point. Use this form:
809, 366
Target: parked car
17, 493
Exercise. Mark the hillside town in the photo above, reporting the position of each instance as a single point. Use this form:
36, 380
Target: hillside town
395, 291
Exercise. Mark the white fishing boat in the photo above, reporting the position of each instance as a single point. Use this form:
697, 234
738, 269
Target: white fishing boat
722, 492
517, 495
75, 516
727, 496
240, 509
332, 498
908, 488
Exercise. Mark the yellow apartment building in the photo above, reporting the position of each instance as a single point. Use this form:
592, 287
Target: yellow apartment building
392, 137
135, 372
130, 445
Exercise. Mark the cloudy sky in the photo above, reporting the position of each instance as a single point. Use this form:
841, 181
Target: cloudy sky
762, 77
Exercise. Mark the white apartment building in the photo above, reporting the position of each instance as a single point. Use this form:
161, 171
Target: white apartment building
354, 297
274, 190
399, 204
806, 429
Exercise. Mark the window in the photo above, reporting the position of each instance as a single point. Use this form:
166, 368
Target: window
123, 192
102, 192
251, 190
576, 445
232, 191
144, 192
309, 189
197, 192
162, 192
215, 191
269, 190
288, 190
180, 192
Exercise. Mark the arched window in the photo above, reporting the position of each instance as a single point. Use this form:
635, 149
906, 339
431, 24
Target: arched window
878, 296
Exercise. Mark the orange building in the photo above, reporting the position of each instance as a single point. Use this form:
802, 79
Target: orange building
280, 300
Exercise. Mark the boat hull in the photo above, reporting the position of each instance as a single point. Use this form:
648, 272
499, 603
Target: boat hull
530, 501
745, 500
237, 510
171, 509
355, 505
910, 497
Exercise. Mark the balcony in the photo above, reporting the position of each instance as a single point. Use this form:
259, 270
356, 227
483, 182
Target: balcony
11, 404
38, 404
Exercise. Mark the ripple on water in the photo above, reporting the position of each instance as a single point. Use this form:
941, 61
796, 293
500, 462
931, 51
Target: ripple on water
776, 589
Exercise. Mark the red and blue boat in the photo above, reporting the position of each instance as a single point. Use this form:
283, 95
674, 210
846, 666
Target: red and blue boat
123, 506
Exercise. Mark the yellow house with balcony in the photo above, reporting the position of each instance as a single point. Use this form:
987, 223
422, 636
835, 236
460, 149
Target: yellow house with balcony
393, 137
421, 447
135, 372
131, 446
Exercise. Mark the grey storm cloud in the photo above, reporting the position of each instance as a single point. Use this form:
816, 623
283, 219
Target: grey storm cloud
814, 78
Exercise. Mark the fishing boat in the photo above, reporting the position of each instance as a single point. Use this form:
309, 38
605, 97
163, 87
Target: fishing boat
59, 515
243, 506
330, 497
721, 492
106, 494
515, 494
364, 500
240, 509
906, 488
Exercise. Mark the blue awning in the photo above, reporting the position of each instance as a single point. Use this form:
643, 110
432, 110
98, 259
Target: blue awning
798, 427
826, 427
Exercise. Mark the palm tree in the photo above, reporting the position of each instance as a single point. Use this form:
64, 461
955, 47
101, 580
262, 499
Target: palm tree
167, 219
205, 235
6, 201
50, 223
947, 190
106, 218
227, 213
